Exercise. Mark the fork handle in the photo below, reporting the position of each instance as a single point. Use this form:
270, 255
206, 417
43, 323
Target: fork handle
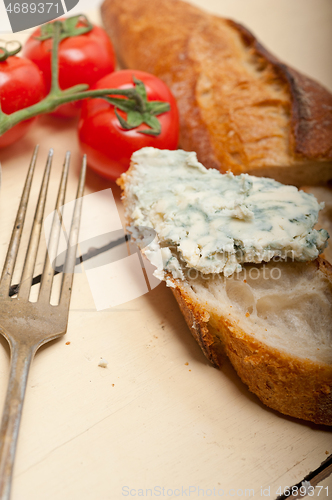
21, 357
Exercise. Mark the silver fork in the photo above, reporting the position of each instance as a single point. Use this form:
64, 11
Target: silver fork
28, 325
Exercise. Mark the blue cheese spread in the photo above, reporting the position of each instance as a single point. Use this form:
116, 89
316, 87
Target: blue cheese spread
216, 222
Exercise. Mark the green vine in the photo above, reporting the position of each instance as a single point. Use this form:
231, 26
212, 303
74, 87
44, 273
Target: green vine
73, 26
134, 101
6, 51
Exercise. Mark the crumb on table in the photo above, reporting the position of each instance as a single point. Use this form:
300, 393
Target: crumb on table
103, 363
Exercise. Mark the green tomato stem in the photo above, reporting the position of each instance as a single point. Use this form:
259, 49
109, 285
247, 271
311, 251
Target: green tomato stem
5, 52
76, 88
55, 88
52, 101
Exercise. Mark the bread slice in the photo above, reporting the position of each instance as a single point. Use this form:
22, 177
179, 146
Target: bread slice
241, 109
272, 320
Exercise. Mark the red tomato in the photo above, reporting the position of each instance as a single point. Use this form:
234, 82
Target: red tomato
21, 85
108, 145
82, 59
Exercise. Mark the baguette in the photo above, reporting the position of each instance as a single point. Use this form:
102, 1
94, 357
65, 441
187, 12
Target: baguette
272, 320
241, 109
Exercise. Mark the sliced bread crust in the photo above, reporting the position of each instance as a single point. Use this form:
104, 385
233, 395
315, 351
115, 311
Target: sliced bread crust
241, 109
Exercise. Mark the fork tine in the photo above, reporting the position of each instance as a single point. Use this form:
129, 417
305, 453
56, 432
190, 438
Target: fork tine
69, 265
48, 271
9, 265
30, 258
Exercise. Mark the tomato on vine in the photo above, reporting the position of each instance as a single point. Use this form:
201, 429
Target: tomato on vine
21, 85
111, 129
85, 55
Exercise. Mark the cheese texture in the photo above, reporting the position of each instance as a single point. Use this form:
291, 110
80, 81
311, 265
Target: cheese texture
216, 222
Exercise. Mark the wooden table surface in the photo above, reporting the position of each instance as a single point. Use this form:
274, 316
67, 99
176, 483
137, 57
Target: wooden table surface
159, 417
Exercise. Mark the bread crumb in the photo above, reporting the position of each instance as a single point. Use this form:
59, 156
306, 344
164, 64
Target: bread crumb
307, 487
326, 453
247, 315
103, 363
190, 370
112, 385
187, 363
244, 281
67, 343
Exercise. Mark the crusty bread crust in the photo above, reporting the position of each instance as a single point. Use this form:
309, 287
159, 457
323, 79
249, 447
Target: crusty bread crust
310, 105
297, 387
198, 321
240, 108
